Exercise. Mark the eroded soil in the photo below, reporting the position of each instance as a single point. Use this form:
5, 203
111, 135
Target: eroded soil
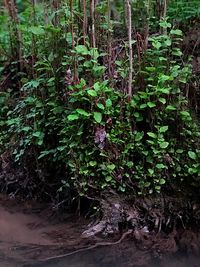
30, 233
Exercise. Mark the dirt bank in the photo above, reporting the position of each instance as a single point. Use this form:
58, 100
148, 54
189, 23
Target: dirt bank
30, 234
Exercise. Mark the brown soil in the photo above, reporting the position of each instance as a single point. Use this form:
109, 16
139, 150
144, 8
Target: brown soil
29, 233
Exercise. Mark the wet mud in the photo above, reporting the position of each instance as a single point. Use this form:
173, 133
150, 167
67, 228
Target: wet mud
30, 234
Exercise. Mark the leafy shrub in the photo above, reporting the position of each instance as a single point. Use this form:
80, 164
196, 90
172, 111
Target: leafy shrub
68, 117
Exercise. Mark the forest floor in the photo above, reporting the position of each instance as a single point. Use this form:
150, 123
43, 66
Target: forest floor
30, 234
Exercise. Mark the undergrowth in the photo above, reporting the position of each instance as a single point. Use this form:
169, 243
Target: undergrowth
65, 112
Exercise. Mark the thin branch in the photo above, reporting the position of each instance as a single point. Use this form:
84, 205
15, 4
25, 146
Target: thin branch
129, 28
84, 20
92, 10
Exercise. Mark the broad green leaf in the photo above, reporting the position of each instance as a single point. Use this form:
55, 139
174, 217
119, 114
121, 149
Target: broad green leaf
164, 24
111, 167
92, 92
92, 163
185, 113
158, 188
82, 112
168, 42
176, 32
108, 103
82, 50
179, 151
97, 86
164, 144
143, 106
157, 45
192, 170
101, 106
26, 128
163, 129
153, 135
37, 134
162, 100
108, 178
136, 114
162, 181
177, 52
164, 90
151, 171
72, 117
151, 104
36, 30
139, 136
97, 116
170, 107
192, 155
160, 166
150, 69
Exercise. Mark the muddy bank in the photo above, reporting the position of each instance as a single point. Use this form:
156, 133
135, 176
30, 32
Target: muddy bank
31, 235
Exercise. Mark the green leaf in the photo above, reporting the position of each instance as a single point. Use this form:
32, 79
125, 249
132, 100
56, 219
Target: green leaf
176, 32
153, 135
164, 144
36, 30
101, 106
37, 134
164, 24
97, 86
170, 107
164, 90
160, 166
158, 188
151, 104
151, 171
156, 44
177, 52
162, 100
111, 167
185, 114
136, 114
192, 155
26, 128
168, 42
97, 116
163, 129
143, 106
92, 93
139, 136
162, 181
108, 178
72, 117
192, 170
108, 103
179, 151
82, 112
151, 69
82, 50
92, 163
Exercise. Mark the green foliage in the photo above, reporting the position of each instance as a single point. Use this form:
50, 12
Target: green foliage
182, 10
68, 112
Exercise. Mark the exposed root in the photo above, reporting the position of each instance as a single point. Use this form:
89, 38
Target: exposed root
99, 244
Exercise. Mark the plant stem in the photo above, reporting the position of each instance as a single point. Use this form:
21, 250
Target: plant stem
129, 22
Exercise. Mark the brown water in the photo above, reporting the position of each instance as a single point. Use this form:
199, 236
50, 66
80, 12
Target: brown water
29, 234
